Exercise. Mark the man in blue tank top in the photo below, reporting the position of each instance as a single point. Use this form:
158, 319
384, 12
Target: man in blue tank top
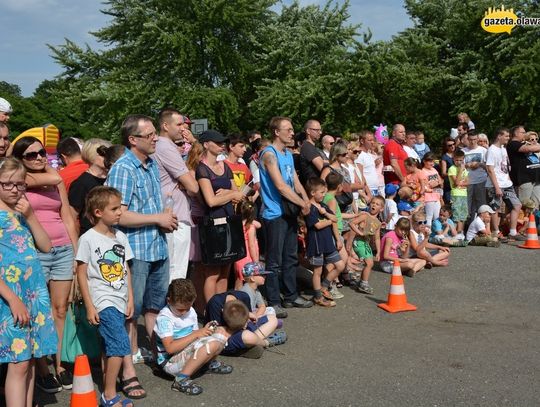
279, 181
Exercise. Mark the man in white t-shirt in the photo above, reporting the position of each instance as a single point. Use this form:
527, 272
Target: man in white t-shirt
475, 163
367, 161
499, 186
410, 141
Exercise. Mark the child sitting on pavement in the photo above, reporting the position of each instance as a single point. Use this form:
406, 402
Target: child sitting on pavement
182, 348
323, 244
395, 246
479, 233
443, 229
433, 254
367, 229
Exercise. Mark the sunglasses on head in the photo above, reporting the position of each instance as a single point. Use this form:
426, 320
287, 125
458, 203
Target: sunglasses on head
34, 155
180, 143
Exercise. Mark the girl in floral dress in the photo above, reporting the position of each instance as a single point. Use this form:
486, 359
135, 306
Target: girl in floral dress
26, 325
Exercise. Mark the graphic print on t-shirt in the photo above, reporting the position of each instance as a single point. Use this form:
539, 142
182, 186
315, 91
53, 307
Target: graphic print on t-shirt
473, 158
111, 266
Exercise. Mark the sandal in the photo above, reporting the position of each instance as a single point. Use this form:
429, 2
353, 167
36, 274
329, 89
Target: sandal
128, 390
187, 386
103, 402
218, 367
323, 302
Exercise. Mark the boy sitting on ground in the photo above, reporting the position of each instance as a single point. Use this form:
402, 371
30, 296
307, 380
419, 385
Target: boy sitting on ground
479, 233
183, 348
443, 229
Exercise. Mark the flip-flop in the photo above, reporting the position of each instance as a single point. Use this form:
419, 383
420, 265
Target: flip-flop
103, 402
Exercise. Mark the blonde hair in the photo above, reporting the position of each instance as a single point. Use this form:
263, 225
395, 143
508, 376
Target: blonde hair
194, 155
89, 149
11, 164
529, 134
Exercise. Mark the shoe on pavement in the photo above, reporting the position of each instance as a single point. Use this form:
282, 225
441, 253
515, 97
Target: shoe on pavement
48, 384
143, 355
298, 303
364, 288
323, 302
280, 312
516, 238
65, 378
186, 386
336, 293
277, 338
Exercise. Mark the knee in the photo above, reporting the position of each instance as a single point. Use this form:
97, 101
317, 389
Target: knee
249, 338
60, 311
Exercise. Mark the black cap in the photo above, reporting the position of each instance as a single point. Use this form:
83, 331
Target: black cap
212, 135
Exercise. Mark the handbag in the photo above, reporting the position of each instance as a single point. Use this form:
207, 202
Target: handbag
86, 333
71, 346
222, 240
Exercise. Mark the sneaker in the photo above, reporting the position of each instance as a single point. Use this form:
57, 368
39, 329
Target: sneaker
218, 367
336, 293
277, 338
298, 303
48, 384
280, 312
323, 302
66, 379
143, 355
364, 288
516, 238
460, 236
186, 386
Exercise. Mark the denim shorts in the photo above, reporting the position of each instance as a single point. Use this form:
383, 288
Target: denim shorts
57, 265
112, 328
150, 281
322, 259
235, 343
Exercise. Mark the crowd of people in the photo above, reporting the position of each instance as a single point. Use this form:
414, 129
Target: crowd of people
124, 222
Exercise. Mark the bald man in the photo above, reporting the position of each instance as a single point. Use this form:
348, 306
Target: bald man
394, 155
312, 160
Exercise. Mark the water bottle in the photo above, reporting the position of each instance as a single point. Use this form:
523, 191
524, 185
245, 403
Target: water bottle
169, 203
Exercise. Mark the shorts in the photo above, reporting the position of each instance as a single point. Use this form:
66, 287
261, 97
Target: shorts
58, 265
362, 249
387, 266
509, 197
112, 328
460, 208
323, 259
150, 281
176, 363
235, 343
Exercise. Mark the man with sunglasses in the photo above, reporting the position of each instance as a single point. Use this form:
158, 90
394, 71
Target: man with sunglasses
178, 183
312, 160
135, 174
327, 142
4, 140
524, 175
475, 163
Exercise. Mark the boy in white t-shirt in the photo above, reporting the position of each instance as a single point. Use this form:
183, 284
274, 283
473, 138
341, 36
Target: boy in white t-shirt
390, 214
478, 233
105, 282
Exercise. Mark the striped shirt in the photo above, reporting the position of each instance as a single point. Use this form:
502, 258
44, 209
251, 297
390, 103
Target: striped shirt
141, 192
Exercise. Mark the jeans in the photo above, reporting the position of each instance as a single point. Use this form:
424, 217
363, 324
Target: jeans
281, 259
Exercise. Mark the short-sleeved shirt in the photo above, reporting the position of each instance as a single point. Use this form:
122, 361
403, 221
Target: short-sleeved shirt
396, 241
457, 191
475, 227
77, 196
437, 226
497, 157
214, 307
478, 154
255, 296
308, 152
394, 150
107, 259
519, 173
218, 182
431, 175
369, 170
171, 167
390, 210
328, 197
241, 173
319, 241
141, 192
72, 171
169, 325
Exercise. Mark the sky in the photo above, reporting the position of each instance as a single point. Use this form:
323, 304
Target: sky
28, 25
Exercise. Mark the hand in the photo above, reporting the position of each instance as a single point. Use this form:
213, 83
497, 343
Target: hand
130, 308
339, 245
24, 207
204, 331
167, 221
305, 208
252, 317
92, 315
237, 197
20, 314
377, 257
498, 192
322, 211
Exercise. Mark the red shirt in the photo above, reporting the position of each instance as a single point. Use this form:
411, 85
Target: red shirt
241, 173
72, 171
394, 150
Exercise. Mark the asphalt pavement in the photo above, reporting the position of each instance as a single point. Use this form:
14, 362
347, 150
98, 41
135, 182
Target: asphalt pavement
472, 342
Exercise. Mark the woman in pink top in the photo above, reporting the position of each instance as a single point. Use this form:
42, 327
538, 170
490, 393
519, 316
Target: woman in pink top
433, 188
47, 195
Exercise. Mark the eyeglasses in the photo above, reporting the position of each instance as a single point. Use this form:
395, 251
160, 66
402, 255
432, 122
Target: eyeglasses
421, 222
356, 151
8, 186
148, 136
34, 155
451, 145
180, 143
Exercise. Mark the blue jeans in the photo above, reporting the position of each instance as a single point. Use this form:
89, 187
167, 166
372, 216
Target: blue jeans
281, 259
150, 282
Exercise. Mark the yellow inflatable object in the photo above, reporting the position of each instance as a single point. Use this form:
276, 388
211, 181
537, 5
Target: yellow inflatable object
47, 134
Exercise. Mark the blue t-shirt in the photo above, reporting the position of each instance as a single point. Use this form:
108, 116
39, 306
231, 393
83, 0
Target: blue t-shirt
270, 195
437, 226
319, 241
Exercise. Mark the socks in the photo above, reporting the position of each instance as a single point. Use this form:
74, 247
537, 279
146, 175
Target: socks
325, 283
318, 294
513, 232
180, 377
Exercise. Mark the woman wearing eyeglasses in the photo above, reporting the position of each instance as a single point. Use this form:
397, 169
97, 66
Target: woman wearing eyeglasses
447, 160
49, 200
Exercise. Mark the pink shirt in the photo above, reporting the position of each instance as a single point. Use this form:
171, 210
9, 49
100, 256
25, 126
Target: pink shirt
396, 241
432, 175
46, 205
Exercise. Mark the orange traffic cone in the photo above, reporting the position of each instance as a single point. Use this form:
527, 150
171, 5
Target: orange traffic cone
397, 300
532, 235
83, 393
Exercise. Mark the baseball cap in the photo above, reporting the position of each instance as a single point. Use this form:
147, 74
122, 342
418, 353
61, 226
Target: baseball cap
390, 189
187, 120
404, 206
212, 135
253, 269
5, 106
485, 208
